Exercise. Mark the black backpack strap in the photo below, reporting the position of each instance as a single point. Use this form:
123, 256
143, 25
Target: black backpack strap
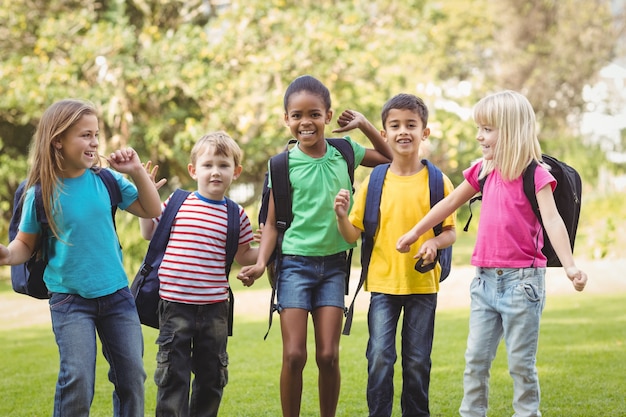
232, 244
347, 152
529, 188
479, 197
161, 235
528, 178
345, 149
370, 225
281, 192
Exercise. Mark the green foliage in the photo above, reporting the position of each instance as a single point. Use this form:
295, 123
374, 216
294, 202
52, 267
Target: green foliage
162, 73
578, 344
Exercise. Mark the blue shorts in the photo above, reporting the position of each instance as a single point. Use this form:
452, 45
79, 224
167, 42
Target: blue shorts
309, 282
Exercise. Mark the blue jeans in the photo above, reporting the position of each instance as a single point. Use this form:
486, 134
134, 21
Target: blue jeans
75, 321
418, 328
504, 303
192, 338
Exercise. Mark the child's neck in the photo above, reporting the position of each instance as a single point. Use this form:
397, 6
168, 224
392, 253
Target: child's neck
405, 166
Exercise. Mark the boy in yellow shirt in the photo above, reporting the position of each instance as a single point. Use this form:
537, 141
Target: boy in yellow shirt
392, 278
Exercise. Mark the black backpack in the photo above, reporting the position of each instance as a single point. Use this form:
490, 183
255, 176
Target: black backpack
27, 278
145, 286
370, 225
281, 191
567, 196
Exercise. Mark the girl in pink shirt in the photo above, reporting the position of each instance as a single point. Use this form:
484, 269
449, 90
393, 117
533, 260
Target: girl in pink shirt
508, 291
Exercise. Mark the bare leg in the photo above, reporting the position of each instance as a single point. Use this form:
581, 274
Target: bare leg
327, 322
293, 323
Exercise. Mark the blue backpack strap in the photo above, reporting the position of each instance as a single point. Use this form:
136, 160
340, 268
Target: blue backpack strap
232, 244
370, 225
115, 194
161, 235
435, 184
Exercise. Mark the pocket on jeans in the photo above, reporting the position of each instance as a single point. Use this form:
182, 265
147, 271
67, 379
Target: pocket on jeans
162, 371
531, 293
223, 369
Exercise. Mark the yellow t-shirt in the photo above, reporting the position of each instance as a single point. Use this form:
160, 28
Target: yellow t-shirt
404, 201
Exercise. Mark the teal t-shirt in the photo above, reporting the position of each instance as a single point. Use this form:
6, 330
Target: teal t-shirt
88, 258
315, 183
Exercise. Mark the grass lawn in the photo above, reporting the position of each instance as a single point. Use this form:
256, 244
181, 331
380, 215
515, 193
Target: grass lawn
581, 361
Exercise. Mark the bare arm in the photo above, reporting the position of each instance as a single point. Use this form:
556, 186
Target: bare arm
437, 214
349, 232
557, 233
19, 250
269, 237
351, 119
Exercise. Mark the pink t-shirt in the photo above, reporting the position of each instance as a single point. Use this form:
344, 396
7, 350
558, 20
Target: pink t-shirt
509, 233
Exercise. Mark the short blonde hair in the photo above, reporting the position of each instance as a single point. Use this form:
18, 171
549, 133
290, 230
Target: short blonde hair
224, 146
513, 116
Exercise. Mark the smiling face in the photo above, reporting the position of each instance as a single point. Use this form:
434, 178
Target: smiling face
79, 146
214, 173
404, 132
306, 116
487, 137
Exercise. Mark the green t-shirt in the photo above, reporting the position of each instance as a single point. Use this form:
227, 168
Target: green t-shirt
315, 183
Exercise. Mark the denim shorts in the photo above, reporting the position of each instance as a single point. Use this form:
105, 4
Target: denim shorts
309, 282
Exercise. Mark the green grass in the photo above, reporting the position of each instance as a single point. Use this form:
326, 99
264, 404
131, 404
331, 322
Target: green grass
581, 366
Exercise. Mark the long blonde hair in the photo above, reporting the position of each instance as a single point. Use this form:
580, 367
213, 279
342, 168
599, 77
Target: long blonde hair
513, 116
46, 159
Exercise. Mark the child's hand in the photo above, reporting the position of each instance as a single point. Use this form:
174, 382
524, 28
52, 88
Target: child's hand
348, 120
124, 160
342, 203
248, 274
405, 241
258, 233
578, 277
152, 171
428, 252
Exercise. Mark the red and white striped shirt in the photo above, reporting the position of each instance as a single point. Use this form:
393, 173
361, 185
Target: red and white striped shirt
194, 263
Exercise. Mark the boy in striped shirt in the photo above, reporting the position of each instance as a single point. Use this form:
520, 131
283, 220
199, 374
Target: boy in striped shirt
194, 289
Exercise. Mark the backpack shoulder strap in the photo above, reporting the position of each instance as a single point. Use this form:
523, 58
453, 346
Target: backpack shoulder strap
370, 224
232, 244
345, 148
281, 190
161, 235
39, 209
435, 185
232, 235
115, 194
529, 188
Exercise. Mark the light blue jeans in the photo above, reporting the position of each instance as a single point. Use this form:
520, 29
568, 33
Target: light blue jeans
505, 302
75, 321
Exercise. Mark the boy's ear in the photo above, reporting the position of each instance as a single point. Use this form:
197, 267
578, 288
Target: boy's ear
192, 171
238, 170
426, 133
383, 133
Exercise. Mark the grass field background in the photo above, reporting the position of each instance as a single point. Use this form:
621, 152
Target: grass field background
581, 361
